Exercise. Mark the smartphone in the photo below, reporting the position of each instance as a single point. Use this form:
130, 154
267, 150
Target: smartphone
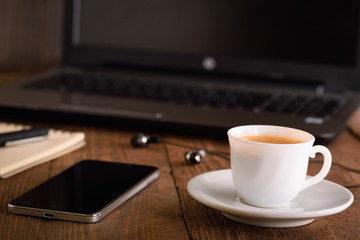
85, 192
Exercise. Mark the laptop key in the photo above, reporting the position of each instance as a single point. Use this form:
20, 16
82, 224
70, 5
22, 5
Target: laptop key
279, 103
328, 108
295, 105
312, 107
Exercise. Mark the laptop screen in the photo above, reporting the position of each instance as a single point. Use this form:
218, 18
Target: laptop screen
315, 40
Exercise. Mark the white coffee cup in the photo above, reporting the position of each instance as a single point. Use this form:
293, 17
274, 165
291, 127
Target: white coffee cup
270, 175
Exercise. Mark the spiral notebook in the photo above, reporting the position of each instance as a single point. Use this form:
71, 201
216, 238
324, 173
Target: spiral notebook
17, 158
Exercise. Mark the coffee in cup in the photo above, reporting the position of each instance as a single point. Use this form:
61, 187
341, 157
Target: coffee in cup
266, 138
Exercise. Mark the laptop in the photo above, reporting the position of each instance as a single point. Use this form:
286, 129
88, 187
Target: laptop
202, 66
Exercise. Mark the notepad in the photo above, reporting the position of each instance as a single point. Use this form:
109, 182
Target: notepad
17, 158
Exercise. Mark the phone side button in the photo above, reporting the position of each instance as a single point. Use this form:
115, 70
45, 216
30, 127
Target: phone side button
48, 215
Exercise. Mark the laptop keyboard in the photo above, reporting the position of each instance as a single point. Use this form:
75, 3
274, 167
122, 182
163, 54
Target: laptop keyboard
191, 95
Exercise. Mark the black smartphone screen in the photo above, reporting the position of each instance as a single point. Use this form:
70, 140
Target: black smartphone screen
86, 188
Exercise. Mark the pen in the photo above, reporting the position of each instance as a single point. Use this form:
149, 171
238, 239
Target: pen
23, 136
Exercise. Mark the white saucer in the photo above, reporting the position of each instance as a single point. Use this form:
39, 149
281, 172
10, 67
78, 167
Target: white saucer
216, 190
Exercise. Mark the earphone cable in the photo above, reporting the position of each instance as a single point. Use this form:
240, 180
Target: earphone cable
343, 167
339, 165
224, 155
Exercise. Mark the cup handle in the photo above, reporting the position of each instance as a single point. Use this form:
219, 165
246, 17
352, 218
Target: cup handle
325, 168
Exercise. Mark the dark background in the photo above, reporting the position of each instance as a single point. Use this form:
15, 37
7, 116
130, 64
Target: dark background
31, 36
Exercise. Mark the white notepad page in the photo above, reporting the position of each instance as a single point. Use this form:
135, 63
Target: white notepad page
17, 158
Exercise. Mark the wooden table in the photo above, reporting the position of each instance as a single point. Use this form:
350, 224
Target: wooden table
165, 210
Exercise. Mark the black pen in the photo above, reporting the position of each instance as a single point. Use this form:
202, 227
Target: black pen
23, 136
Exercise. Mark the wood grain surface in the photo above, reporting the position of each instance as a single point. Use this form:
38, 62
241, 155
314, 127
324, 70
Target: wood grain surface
165, 210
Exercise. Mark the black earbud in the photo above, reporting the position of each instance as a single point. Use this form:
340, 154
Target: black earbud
196, 157
191, 157
142, 140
